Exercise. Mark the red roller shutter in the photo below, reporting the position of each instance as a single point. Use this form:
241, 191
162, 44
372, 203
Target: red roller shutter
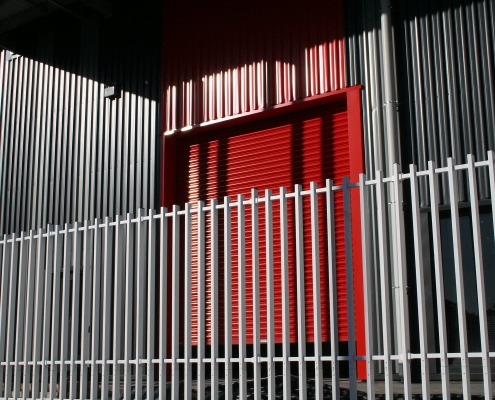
297, 148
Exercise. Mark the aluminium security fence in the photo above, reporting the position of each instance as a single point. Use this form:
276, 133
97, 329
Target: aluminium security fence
227, 295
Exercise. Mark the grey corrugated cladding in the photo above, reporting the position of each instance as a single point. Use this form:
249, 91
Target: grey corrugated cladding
68, 154
444, 53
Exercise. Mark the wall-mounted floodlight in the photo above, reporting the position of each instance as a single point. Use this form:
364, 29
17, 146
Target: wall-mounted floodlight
112, 91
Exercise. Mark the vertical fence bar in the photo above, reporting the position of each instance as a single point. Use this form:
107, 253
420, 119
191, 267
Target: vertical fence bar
4, 309
11, 314
47, 308
368, 288
21, 313
119, 295
284, 267
28, 324
480, 278
64, 337
129, 304
315, 258
106, 306
437, 254
420, 282
86, 312
201, 299
402, 272
332, 288
150, 327
256, 292
57, 283
349, 288
187, 301
162, 392
175, 300
96, 311
214, 297
38, 313
76, 279
270, 293
241, 282
491, 171
459, 277
227, 281
140, 300
301, 304
385, 284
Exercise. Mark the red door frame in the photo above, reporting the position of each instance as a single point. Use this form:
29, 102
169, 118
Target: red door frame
353, 97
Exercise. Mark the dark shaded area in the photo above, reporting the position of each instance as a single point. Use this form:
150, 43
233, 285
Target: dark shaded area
124, 48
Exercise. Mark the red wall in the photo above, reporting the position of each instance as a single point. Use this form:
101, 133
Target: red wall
223, 58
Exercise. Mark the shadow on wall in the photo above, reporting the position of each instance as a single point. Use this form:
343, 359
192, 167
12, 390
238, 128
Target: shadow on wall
224, 58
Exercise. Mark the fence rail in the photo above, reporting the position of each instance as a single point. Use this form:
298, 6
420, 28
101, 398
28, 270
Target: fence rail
204, 299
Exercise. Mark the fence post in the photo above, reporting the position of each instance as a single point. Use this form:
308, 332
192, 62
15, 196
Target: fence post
480, 278
163, 246
437, 254
420, 281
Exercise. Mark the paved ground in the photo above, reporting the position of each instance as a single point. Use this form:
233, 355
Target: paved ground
435, 387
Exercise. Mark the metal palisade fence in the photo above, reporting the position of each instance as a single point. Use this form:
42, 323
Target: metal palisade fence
211, 299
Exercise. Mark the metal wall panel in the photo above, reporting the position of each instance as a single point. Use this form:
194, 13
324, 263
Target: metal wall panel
226, 58
69, 154
444, 52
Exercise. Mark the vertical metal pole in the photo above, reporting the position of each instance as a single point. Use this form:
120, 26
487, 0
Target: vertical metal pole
4, 299
256, 292
241, 282
8, 355
459, 278
270, 287
75, 319
162, 392
129, 303
150, 330
47, 308
437, 254
28, 324
402, 274
57, 281
332, 287
480, 278
38, 313
385, 284
187, 301
201, 299
227, 274
140, 300
21, 313
175, 301
86, 312
119, 295
315, 258
284, 266
64, 337
349, 288
420, 282
368, 288
106, 306
214, 297
301, 304
96, 304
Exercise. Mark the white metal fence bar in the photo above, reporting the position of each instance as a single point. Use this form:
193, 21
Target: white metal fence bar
79, 305
420, 279
480, 278
435, 222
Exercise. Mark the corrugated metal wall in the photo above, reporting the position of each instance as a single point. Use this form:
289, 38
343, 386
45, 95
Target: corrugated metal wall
445, 75
224, 58
69, 154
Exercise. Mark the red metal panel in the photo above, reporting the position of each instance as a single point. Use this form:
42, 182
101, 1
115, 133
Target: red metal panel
223, 58
310, 145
